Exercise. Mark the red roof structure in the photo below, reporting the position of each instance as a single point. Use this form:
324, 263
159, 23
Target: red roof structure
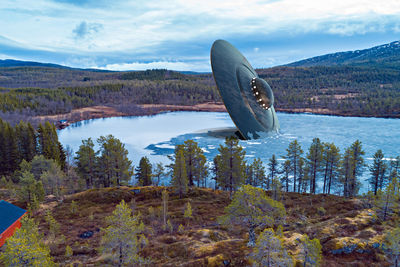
10, 220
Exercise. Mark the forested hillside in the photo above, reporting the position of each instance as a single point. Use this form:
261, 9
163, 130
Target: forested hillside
337, 90
344, 84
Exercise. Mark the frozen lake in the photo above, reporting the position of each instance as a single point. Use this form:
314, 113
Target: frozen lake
155, 136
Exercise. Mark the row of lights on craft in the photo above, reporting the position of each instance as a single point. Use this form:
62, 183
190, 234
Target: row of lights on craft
256, 93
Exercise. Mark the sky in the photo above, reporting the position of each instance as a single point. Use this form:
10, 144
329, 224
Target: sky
178, 34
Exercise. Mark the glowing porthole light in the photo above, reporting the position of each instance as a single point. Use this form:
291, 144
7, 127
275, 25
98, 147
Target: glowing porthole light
261, 98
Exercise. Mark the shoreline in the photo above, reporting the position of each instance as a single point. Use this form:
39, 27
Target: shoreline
98, 112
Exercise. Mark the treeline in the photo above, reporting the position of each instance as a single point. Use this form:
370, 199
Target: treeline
109, 166
40, 101
154, 74
322, 169
50, 171
23, 142
337, 90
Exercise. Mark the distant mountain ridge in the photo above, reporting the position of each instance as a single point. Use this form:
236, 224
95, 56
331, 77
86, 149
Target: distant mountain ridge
386, 55
20, 63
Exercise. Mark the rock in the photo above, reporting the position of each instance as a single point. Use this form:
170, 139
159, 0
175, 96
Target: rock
87, 234
376, 245
345, 250
363, 251
136, 191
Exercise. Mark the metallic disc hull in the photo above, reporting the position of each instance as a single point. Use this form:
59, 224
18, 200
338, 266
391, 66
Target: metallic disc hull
233, 75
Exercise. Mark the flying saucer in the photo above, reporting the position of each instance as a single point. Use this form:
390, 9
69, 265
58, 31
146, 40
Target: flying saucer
248, 98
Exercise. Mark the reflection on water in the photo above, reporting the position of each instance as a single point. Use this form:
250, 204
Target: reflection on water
156, 136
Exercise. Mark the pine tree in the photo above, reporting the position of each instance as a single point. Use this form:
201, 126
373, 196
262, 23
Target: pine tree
257, 175
301, 175
394, 165
189, 154
357, 167
121, 237
29, 188
144, 172
158, 173
187, 215
386, 202
73, 208
3, 182
249, 174
293, 155
181, 229
285, 170
201, 170
269, 251
26, 140
311, 251
86, 162
378, 170
306, 179
216, 170
252, 208
314, 159
49, 146
114, 166
53, 180
25, 247
30, 143
179, 178
68, 252
37, 166
188, 211
54, 226
195, 162
231, 165
276, 188
9, 156
331, 161
346, 171
273, 170
393, 246
164, 196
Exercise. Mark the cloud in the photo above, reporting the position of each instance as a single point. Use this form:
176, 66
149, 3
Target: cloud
179, 33
85, 30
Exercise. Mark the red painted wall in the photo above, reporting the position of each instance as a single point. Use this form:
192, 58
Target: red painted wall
10, 231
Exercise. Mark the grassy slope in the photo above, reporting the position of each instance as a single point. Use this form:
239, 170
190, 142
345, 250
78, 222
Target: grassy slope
204, 242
